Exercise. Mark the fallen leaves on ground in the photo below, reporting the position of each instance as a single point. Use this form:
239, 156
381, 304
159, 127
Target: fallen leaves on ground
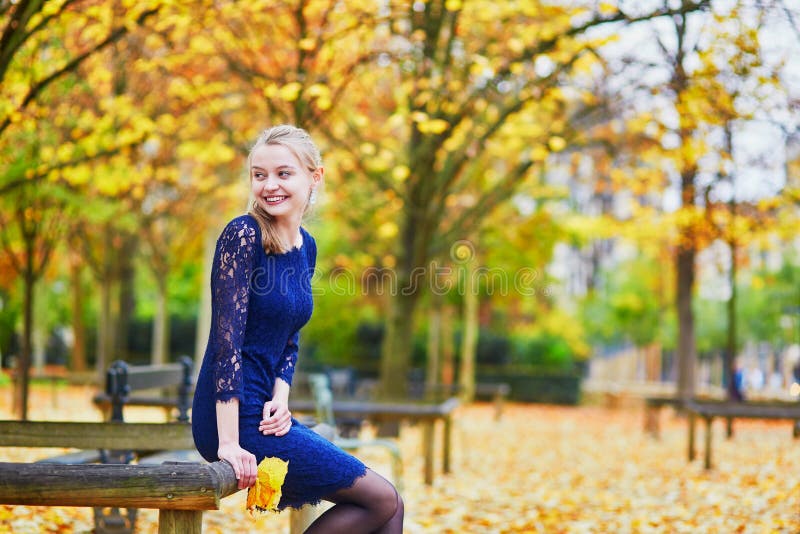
540, 469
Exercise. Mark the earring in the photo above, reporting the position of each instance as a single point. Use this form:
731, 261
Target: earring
312, 197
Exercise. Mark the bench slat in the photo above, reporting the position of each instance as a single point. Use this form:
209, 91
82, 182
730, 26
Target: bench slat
185, 456
154, 376
172, 487
80, 457
740, 410
103, 400
109, 435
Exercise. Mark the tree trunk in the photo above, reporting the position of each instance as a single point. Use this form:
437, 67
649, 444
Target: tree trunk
687, 352
433, 370
24, 362
160, 344
469, 339
730, 352
204, 313
448, 350
398, 342
78, 360
105, 329
125, 300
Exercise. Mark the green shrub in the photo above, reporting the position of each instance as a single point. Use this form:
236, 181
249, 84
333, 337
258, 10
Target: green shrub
536, 385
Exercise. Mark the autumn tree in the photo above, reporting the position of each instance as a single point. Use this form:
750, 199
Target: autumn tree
31, 227
471, 87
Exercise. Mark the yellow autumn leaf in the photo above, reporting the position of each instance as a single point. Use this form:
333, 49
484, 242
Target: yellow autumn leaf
400, 173
290, 91
387, 230
557, 143
265, 494
434, 126
306, 44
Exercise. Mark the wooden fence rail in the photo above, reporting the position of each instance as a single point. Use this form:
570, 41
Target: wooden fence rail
179, 491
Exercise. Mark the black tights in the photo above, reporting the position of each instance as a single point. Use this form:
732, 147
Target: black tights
370, 505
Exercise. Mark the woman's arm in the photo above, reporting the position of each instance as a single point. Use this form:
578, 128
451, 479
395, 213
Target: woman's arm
243, 462
230, 290
277, 419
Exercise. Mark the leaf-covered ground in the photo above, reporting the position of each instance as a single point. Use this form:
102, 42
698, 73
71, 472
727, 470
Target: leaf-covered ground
539, 469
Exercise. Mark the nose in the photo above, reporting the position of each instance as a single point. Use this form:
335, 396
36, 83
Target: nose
271, 183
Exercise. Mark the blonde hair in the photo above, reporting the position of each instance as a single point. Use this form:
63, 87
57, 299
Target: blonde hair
299, 143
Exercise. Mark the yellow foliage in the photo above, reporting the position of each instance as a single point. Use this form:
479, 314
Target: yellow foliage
400, 173
434, 126
265, 494
539, 153
307, 44
290, 92
557, 143
388, 230
452, 5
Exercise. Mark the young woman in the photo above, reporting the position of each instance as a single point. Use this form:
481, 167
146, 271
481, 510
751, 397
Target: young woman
261, 297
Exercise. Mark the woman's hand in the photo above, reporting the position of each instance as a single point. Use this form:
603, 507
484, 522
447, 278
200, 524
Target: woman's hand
276, 419
242, 461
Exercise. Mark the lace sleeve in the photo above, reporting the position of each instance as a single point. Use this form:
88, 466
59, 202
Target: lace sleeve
289, 359
230, 292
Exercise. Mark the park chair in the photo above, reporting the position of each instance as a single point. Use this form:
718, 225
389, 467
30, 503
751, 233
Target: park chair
323, 403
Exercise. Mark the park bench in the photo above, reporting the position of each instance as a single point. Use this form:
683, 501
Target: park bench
652, 412
708, 410
425, 414
168, 386
654, 403
496, 392
180, 491
323, 400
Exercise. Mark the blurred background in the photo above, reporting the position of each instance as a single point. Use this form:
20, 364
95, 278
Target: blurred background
569, 197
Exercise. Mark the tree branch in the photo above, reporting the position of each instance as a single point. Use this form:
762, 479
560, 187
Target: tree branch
113, 37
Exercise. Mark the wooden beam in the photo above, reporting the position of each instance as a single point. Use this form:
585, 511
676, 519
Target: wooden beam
166, 487
108, 435
180, 521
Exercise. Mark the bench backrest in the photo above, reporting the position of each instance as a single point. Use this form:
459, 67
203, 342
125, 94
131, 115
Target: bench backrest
123, 379
323, 398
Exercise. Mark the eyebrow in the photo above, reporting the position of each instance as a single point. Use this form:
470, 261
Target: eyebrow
285, 166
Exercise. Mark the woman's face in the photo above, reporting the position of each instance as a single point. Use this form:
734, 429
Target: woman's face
280, 183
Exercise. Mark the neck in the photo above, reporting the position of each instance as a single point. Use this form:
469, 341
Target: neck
289, 231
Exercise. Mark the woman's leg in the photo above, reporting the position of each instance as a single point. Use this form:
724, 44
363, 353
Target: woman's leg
370, 505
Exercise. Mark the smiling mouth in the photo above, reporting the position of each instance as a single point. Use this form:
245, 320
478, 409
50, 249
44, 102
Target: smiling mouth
275, 199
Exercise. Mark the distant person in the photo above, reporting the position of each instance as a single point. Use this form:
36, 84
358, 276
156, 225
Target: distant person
737, 383
261, 297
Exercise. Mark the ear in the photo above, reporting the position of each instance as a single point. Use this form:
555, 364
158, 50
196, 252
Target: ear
316, 176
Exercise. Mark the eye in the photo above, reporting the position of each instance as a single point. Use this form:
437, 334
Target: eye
284, 174
258, 175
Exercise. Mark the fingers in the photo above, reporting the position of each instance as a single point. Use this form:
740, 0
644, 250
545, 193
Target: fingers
277, 419
244, 467
249, 471
276, 425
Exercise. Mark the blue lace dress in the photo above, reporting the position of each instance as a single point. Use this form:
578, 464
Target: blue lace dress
259, 303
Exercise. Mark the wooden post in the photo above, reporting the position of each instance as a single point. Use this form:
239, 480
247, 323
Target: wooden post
448, 427
708, 419
427, 450
651, 415
691, 436
180, 521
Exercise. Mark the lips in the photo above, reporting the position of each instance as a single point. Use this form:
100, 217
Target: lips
276, 199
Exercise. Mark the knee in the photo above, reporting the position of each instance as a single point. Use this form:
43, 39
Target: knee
400, 510
389, 502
